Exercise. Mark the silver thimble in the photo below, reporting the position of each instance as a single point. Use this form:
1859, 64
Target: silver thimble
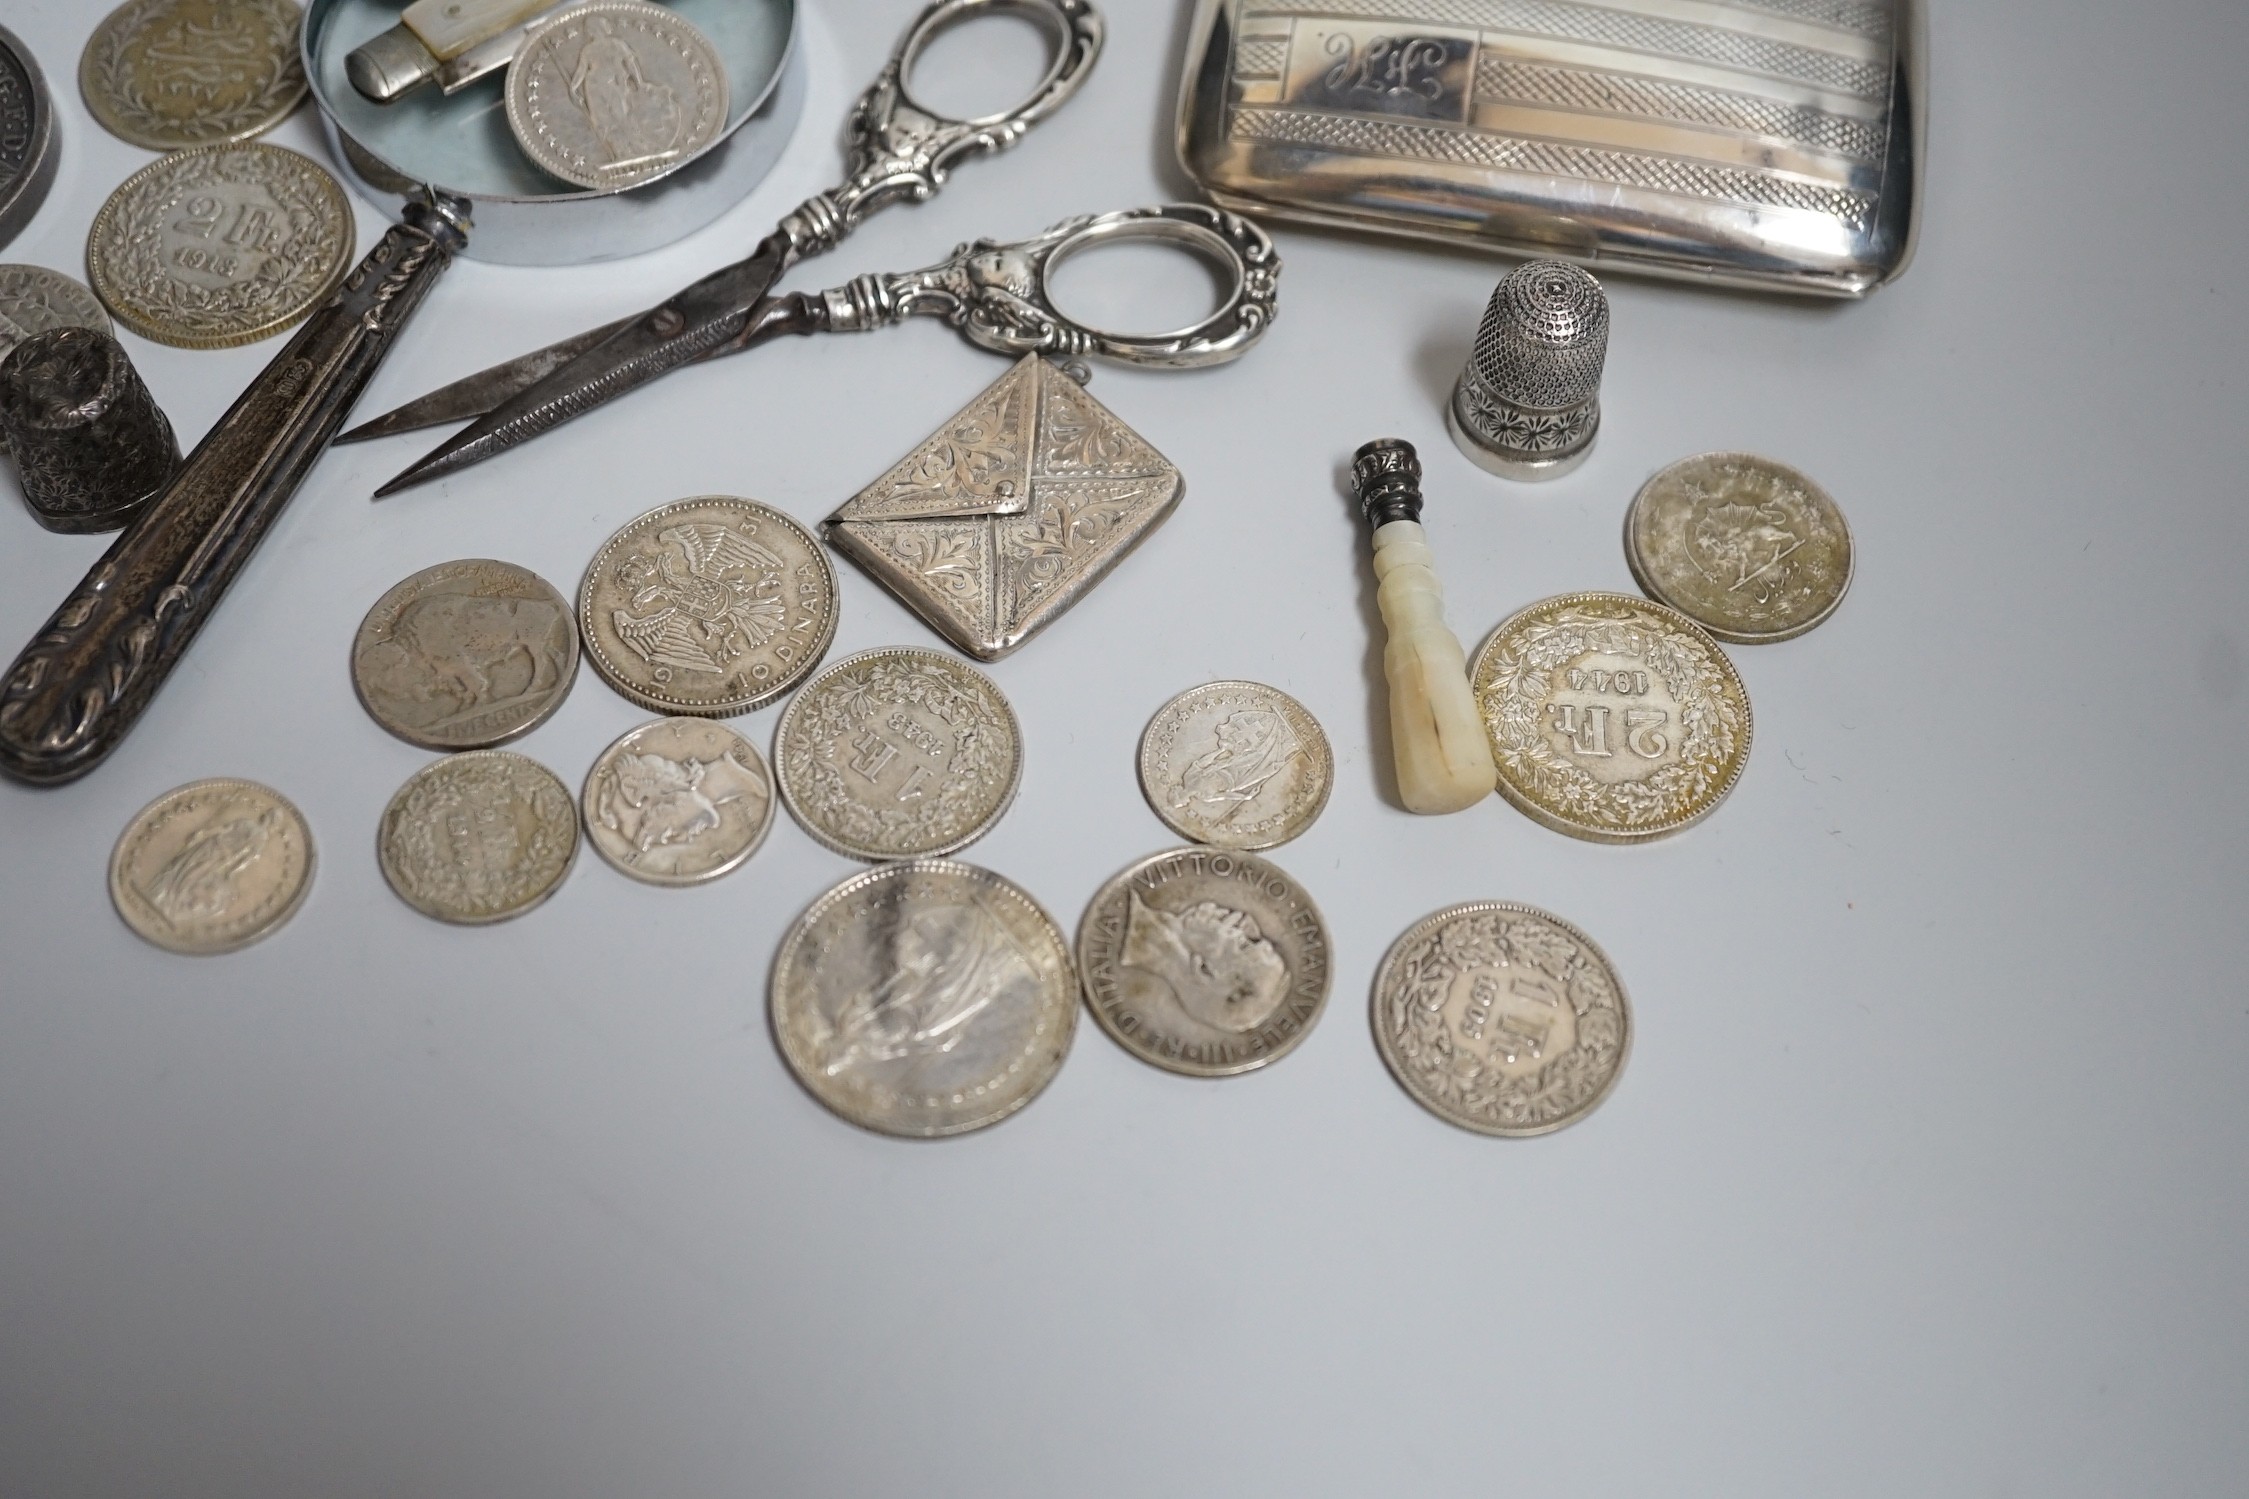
90, 442
1528, 404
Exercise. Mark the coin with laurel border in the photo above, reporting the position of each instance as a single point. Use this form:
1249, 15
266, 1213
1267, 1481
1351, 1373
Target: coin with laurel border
170, 74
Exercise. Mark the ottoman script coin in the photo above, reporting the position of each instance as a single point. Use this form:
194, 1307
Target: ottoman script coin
465, 655
226, 245
212, 866
478, 837
711, 606
895, 753
1501, 1019
1611, 718
1236, 765
34, 299
924, 998
678, 801
1204, 962
615, 93
1749, 549
172, 73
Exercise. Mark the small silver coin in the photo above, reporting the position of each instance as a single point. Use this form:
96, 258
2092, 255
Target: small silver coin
678, 802
34, 299
1747, 548
466, 655
169, 74
615, 93
1501, 1019
1205, 962
897, 753
1236, 765
212, 866
924, 998
478, 838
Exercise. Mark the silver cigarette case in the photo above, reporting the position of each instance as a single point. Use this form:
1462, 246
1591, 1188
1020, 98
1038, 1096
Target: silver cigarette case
1765, 143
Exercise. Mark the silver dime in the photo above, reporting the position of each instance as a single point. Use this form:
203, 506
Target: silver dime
895, 753
1747, 548
466, 655
174, 73
34, 299
479, 837
212, 866
711, 606
615, 93
1501, 1019
924, 998
1236, 765
1205, 962
678, 801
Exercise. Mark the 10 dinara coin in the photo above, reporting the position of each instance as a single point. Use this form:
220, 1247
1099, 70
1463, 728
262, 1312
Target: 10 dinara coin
1748, 548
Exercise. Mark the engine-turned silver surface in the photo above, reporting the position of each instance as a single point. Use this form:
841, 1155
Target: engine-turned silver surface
1528, 404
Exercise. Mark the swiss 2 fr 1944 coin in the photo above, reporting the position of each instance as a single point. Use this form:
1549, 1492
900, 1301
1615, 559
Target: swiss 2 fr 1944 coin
1236, 765
1501, 1019
708, 607
1747, 548
927, 997
895, 753
169, 74
479, 837
466, 655
678, 801
212, 866
34, 299
614, 93
1204, 961
220, 246
1611, 718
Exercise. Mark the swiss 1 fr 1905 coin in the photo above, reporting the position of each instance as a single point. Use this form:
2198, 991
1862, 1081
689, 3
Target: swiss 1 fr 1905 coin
615, 93
711, 607
479, 837
1749, 549
167, 74
1501, 1019
1235, 765
927, 997
34, 299
212, 866
1204, 962
1611, 718
226, 245
465, 655
895, 753
678, 801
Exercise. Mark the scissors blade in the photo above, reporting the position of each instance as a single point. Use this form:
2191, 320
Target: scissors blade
471, 396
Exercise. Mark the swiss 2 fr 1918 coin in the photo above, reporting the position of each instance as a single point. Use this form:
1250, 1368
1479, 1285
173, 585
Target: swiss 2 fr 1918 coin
466, 655
614, 93
221, 246
34, 299
1204, 962
1501, 1019
479, 837
927, 997
1747, 548
900, 752
169, 74
1611, 718
212, 866
678, 801
1235, 765
709, 607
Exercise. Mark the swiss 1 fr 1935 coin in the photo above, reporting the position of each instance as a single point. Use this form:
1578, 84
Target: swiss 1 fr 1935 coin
895, 753
1235, 765
479, 837
1204, 962
1747, 548
927, 997
614, 93
34, 299
212, 866
710, 607
1501, 1019
168, 74
222, 246
678, 801
466, 655
1611, 718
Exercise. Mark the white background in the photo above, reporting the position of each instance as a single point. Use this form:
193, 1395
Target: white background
1926, 1175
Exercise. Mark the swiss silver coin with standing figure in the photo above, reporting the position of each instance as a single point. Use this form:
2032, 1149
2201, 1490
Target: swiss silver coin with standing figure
478, 838
1747, 548
1236, 765
466, 655
212, 866
615, 93
678, 802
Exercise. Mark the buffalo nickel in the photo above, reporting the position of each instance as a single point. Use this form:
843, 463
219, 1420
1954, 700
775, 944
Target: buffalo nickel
34, 299
212, 866
1749, 549
614, 93
678, 801
169, 74
479, 837
465, 655
1236, 765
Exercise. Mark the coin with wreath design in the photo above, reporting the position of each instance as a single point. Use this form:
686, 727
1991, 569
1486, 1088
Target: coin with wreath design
167, 74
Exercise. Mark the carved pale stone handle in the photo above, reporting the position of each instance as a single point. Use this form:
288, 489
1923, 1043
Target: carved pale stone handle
1437, 737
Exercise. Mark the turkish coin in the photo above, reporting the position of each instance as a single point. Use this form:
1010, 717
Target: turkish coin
479, 837
900, 752
678, 801
614, 93
1236, 765
1747, 548
1501, 1019
212, 866
1611, 718
34, 299
711, 606
466, 655
1204, 962
924, 998
169, 74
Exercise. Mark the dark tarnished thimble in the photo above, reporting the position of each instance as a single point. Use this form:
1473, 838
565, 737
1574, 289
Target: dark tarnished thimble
1528, 404
89, 441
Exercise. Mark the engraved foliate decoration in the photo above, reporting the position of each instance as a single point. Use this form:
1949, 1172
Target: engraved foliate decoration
212, 866
1748, 548
169, 74
615, 93
34, 299
678, 802
478, 838
1236, 765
